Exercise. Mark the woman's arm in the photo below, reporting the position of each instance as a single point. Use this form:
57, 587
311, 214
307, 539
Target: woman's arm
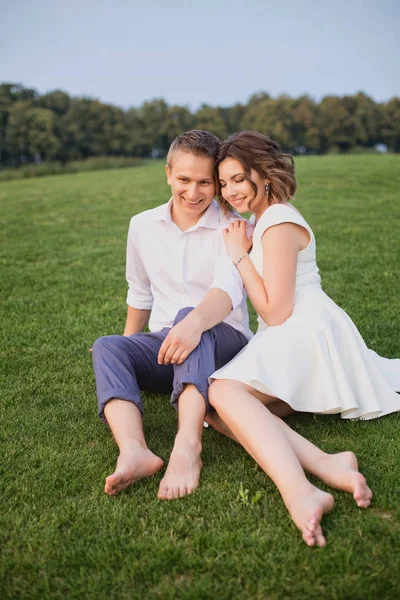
272, 295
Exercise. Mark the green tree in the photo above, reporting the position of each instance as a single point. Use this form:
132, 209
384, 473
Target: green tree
138, 144
57, 126
233, 117
339, 128
390, 112
6, 100
9, 94
272, 117
363, 121
94, 129
178, 120
305, 129
58, 102
30, 132
210, 118
153, 116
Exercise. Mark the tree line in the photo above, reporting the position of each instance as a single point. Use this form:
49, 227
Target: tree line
56, 126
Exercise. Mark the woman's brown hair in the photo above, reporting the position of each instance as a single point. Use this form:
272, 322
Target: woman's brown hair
257, 151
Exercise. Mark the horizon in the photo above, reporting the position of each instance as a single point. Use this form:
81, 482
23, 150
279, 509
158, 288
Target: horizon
191, 109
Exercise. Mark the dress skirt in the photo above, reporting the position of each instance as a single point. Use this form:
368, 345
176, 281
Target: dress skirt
317, 361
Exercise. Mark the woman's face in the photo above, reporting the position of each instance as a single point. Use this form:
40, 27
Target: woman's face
236, 190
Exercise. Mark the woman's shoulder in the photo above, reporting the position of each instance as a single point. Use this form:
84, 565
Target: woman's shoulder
280, 213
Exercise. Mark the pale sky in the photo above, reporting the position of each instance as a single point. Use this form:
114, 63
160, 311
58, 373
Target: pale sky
189, 53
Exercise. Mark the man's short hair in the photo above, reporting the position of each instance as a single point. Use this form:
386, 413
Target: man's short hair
196, 141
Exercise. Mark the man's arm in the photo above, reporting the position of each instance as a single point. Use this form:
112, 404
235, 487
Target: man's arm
139, 298
225, 294
136, 320
185, 336
214, 308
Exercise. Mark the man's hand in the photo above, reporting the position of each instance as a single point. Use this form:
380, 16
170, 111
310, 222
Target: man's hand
180, 342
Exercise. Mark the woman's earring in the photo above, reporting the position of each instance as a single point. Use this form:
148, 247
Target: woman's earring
267, 189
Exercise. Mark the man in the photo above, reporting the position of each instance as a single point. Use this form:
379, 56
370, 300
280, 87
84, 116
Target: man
176, 259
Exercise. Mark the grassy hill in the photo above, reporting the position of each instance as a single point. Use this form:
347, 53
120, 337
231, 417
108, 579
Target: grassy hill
62, 285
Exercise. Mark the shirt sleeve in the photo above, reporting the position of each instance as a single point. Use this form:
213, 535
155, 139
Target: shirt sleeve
139, 288
226, 276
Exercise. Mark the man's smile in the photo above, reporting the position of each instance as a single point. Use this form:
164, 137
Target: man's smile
193, 203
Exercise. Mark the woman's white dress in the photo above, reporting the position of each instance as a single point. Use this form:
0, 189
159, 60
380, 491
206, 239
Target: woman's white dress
316, 361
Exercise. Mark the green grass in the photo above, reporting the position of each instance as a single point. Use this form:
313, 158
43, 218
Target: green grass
62, 285
43, 169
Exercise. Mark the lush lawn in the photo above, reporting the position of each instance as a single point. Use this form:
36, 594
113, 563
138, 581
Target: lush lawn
62, 285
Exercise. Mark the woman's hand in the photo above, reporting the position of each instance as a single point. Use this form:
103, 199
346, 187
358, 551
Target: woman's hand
236, 241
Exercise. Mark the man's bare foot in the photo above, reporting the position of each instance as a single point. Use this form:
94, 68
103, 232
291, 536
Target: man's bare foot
341, 472
183, 471
133, 463
307, 511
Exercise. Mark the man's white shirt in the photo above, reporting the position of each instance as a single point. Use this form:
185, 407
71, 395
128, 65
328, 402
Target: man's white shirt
168, 269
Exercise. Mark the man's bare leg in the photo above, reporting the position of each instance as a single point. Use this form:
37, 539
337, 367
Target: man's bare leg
184, 467
135, 459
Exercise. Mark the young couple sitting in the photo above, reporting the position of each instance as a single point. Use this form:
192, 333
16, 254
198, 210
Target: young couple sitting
189, 265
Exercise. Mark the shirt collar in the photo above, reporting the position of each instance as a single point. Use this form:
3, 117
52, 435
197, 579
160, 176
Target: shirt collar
210, 219
165, 212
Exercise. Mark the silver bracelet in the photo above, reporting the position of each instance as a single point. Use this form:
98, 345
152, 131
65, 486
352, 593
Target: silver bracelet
239, 259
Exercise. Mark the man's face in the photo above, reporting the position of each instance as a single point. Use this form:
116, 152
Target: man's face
192, 184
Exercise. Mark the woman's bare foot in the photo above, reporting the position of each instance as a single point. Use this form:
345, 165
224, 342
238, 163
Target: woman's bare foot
134, 462
341, 472
183, 472
307, 510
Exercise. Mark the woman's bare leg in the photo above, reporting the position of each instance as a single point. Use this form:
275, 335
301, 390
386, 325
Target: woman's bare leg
276, 407
339, 471
260, 433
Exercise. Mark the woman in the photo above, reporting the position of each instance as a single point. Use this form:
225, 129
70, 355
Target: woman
307, 354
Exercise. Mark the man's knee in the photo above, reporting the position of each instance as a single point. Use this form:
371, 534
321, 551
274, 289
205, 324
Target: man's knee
108, 343
182, 313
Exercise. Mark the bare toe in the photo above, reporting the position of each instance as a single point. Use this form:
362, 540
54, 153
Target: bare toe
162, 492
341, 472
308, 538
319, 537
183, 472
362, 493
183, 491
307, 512
133, 464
